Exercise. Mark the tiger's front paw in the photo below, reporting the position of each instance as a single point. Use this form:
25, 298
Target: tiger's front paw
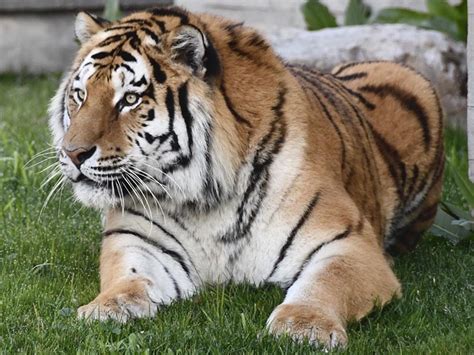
120, 303
307, 322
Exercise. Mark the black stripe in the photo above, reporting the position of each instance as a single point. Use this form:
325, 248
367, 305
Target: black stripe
329, 86
334, 92
236, 47
256, 190
149, 138
101, 55
369, 105
152, 34
175, 283
158, 74
188, 118
367, 149
140, 82
336, 128
329, 117
408, 101
151, 115
173, 280
413, 182
126, 56
173, 12
211, 188
115, 38
64, 108
170, 107
231, 108
211, 61
180, 162
294, 232
354, 64
346, 66
127, 67
394, 162
173, 254
102, 22
160, 24
120, 27
233, 26
306, 261
352, 76
139, 22
258, 41
156, 224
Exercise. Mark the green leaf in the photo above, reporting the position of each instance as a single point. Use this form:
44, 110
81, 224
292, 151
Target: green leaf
357, 13
317, 15
442, 8
462, 23
444, 25
401, 15
456, 16
419, 19
465, 186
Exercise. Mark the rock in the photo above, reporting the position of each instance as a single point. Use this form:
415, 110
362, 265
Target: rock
439, 58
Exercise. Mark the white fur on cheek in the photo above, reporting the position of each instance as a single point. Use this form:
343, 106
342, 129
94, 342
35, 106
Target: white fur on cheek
56, 114
94, 196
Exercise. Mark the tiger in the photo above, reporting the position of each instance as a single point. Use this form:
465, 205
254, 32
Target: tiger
212, 160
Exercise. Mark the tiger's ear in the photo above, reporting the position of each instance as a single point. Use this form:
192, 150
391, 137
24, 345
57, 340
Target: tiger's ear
191, 47
87, 25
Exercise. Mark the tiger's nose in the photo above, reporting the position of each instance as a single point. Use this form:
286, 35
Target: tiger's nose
79, 155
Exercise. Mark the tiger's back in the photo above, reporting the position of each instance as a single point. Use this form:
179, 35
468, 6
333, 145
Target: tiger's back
389, 123
406, 122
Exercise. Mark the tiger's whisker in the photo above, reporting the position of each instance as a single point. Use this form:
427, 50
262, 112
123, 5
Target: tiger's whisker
140, 182
51, 193
152, 178
152, 195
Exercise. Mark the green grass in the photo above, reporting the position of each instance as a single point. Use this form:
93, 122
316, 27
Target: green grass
49, 267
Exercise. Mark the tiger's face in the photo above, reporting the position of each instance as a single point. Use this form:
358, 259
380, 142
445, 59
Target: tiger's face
134, 116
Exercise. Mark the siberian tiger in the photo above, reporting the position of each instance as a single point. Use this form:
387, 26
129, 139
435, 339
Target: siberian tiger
215, 161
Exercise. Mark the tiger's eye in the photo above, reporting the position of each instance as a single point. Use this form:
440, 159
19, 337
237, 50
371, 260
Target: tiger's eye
80, 94
131, 99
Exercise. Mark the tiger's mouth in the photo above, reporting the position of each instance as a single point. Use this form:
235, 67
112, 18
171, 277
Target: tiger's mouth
118, 185
112, 185
84, 179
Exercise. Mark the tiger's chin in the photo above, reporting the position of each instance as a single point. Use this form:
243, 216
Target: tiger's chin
94, 196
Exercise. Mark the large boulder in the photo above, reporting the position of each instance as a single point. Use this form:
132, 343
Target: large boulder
436, 56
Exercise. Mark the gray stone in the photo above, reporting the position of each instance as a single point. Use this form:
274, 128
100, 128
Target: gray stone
15, 6
433, 54
36, 43
37, 36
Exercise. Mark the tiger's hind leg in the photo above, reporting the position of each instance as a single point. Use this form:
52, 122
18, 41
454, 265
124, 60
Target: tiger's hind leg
341, 283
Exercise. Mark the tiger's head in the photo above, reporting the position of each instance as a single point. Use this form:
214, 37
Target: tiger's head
145, 112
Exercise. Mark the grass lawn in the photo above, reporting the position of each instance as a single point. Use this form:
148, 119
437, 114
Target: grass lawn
49, 267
